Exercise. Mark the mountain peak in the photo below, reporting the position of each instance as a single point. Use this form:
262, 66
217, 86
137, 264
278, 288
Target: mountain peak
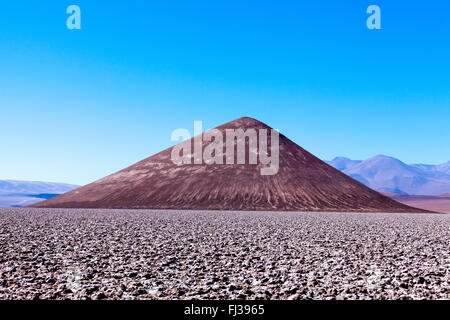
340, 158
244, 123
382, 156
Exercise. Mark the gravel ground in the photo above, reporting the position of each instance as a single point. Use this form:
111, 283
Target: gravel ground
146, 254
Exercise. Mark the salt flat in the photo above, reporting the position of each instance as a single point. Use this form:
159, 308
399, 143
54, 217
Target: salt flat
150, 254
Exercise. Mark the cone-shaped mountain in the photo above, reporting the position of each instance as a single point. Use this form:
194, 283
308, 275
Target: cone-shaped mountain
302, 183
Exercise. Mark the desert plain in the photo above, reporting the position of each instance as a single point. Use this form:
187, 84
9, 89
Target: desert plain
168, 254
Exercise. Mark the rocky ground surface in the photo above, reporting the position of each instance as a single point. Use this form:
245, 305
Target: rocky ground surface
120, 254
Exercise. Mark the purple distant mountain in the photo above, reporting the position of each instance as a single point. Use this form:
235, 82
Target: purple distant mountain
343, 163
15, 193
445, 167
387, 174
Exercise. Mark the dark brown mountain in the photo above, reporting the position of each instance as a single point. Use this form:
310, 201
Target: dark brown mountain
303, 183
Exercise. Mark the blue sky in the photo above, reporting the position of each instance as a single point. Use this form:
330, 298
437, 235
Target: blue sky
77, 105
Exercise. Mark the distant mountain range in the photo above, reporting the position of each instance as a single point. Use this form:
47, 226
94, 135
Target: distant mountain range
387, 174
15, 193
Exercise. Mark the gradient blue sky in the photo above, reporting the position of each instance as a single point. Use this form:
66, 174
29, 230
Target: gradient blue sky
77, 105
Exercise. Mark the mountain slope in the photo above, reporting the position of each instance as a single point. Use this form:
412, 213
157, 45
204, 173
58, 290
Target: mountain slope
343, 163
303, 183
445, 168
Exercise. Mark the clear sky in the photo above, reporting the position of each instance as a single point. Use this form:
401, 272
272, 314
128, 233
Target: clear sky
77, 105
